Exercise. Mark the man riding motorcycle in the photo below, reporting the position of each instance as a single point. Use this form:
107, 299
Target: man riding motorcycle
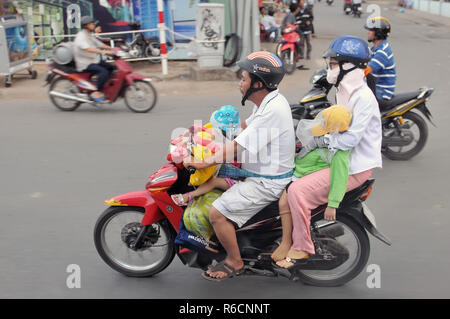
382, 65
87, 55
266, 149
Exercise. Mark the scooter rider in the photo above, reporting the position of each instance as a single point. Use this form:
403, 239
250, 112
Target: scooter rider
382, 65
87, 55
266, 149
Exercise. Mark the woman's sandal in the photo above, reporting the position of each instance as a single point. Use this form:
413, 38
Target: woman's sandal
223, 267
179, 200
294, 262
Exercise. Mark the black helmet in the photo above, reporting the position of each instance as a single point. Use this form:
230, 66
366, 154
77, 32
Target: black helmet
86, 20
265, 67
381, 26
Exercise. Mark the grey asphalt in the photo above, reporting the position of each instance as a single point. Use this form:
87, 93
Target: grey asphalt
57, 169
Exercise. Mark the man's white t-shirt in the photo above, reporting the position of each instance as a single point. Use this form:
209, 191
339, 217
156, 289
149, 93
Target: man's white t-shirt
84, 40
269, 22
269, 139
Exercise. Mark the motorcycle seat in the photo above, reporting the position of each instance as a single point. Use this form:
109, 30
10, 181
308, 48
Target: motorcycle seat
267, 212
397, 100
67, 68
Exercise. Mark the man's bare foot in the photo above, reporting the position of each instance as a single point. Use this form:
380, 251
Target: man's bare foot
292, 254
97, 94
237, 265
281, 252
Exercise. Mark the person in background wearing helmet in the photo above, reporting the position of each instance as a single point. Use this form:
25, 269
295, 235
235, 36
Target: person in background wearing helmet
87, 55
266, 149
346, 60
382, 65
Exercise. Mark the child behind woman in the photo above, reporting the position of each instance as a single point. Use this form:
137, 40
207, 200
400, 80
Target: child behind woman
332, 120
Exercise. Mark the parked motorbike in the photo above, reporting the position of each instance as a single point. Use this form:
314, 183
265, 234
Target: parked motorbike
404, 132
69, 88
356, 10
140, 47
288, 48
347, 7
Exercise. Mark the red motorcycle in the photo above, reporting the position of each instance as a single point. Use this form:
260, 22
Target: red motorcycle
69, 88
287, 49
141, 232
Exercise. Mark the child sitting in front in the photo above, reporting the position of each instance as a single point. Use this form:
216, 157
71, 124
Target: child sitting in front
224, 121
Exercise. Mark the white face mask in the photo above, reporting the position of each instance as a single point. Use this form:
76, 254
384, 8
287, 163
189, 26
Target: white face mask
332, 75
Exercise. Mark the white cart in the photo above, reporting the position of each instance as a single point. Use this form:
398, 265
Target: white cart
15, 48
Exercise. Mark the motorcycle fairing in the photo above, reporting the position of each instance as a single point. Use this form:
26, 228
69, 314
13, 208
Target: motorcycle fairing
165, 177
289, 46
139, 199
314, 95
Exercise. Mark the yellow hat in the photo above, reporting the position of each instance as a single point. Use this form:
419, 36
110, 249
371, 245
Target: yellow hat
336, 118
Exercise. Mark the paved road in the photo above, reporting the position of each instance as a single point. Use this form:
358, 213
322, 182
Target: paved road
57, 168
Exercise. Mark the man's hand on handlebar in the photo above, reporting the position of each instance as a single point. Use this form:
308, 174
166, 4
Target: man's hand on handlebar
111, 53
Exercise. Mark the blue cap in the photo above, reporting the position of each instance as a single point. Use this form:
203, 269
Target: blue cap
226, 119
349, 49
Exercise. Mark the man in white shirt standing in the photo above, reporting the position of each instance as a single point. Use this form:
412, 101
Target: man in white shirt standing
270, 25
87, 55
266, 149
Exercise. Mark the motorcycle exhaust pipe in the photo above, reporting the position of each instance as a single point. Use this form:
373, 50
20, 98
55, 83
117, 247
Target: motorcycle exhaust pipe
69, 97
398, 140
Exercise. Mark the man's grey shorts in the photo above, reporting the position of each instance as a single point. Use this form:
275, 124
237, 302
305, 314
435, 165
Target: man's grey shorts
246, 198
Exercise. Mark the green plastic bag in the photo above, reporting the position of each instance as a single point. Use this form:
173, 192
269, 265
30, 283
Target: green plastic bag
196, 215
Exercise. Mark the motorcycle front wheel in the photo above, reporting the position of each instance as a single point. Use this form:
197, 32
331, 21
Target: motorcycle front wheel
354, 238
153, 51
415, 126
288, 59
141, 97
116, 232
278, 49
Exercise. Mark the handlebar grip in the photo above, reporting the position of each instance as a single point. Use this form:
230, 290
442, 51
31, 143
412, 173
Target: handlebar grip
191, 170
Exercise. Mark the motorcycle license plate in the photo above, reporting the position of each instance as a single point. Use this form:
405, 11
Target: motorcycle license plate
369, 214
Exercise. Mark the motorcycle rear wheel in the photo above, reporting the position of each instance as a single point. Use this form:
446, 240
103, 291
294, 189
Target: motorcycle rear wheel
397, 153
115, 231
329, 278
62, 85
141, 97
